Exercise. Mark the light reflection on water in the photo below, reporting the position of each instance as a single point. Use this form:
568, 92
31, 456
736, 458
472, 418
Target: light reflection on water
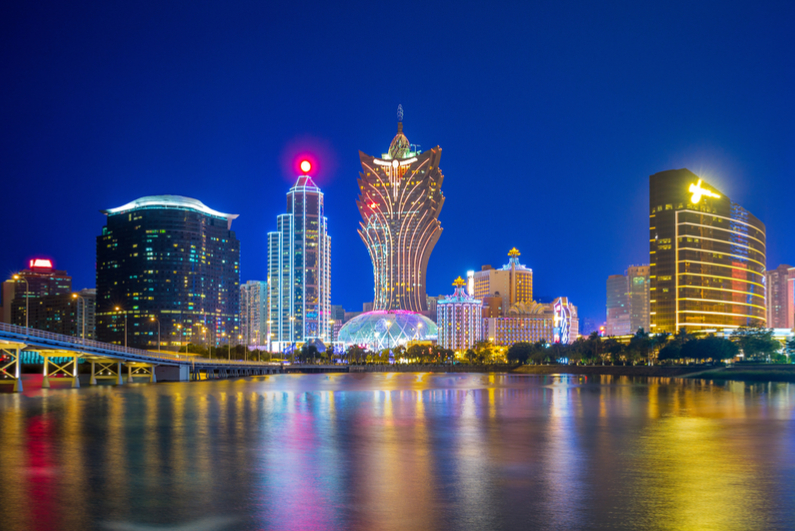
401, 451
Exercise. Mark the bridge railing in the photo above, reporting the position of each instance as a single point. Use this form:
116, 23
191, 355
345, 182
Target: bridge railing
91, 343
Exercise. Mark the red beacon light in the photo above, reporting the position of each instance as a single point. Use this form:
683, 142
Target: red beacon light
306, 166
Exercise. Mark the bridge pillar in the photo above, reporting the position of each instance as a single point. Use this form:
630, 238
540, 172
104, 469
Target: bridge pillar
119, 380
153, 378
93, 380
45, 383
13, 369
129, 374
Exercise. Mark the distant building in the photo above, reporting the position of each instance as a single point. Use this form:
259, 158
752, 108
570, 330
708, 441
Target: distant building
551, 322
617, 306
513, 281
337, 320
367, 307
628, 301
707, 257
780, 297
459, 319
167, 259
42, 281
299, 269
254, 313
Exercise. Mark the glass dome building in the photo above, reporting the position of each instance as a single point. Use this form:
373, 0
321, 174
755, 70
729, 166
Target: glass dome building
387, 329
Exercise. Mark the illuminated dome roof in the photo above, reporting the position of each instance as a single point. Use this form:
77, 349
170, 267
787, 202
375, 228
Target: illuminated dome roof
381, 329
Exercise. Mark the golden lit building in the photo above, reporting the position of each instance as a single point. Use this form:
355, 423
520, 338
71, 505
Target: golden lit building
513, 282
458, 319
707, 257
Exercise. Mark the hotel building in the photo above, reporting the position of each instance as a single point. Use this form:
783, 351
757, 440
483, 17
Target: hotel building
555, 322
513, 282
400, 198
170, 260
780, 284
299, 270
459, 319
39, 280
707, 257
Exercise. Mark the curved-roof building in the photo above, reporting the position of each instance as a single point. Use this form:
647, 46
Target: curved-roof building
170, 260
400, 198
382, 329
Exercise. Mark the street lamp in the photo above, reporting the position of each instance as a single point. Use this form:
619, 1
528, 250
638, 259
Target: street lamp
292, 334
182, 329
78, 298
156, 320
125, 325
27, 298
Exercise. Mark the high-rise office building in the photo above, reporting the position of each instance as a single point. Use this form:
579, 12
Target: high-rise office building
459, 319
618, 323
254, 313
39, 280
400, 198
299, 269
781, 297
707, 257
513, 282
168, 273
628, 301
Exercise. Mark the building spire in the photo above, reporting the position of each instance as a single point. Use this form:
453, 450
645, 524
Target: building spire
400, 118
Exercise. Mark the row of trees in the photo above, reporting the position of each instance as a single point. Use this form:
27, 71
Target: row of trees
757, 344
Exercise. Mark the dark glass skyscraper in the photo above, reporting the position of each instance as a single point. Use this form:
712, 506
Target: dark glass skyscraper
173, 259
400, 197
707, 257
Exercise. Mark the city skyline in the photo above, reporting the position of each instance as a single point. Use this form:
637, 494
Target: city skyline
563, 135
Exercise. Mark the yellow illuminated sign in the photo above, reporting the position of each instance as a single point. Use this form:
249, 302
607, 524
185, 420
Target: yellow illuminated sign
698, 192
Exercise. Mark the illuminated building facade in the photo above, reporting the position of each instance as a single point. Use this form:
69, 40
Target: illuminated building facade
170, 260
39, 280
299, 269
459, 319
254, 313
400, 198
514, 282
553, 322
707, 257
780, 283
628, 301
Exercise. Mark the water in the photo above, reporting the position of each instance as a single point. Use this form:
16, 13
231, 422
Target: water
400, 451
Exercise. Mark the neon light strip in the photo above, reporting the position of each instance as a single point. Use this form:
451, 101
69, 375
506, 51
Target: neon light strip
721, 302
727, 278
722, 265
744, 235
721, 241
722, 313
724, 289
732, 220
726, 254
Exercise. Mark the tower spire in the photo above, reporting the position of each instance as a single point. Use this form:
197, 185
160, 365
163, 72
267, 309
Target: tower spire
400, 118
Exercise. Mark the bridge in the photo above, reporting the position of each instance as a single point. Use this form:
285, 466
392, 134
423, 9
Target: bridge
108, 360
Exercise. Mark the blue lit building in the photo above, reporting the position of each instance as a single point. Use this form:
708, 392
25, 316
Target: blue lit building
172, 259
299, 270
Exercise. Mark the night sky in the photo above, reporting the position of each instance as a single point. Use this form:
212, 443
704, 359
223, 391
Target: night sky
551, 116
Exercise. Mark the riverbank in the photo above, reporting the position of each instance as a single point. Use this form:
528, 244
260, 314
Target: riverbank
749, 373
420, 367
663, 371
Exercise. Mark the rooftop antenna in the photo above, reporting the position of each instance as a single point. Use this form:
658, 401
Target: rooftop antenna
400, 113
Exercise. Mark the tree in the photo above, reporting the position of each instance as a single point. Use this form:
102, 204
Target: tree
756, 342
520, 352
789, 348
710, 347
671, 351
355, 352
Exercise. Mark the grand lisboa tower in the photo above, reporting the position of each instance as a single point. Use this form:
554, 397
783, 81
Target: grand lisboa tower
400, 198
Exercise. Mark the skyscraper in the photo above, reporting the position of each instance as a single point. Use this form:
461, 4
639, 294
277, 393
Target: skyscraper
459, 319
299, 269
781, 297
400, 198
170, 260
707, 257
513, 282
628, 301
254, 313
